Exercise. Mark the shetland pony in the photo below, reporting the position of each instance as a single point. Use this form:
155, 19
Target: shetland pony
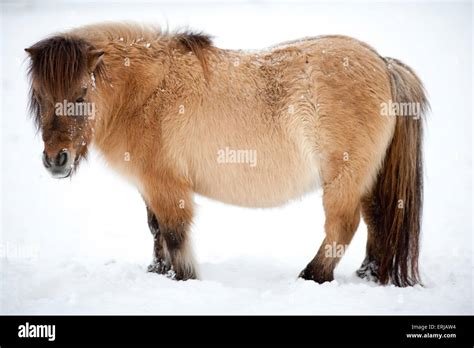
176, 116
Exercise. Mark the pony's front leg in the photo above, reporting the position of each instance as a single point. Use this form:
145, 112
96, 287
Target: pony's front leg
159, 264
169, 211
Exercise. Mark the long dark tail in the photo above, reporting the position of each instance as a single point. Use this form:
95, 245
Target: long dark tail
398, 191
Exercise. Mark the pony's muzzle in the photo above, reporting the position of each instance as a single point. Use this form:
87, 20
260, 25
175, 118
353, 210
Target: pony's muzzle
60, 166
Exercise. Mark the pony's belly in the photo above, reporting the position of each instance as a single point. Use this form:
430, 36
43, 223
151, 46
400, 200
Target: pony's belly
248, 186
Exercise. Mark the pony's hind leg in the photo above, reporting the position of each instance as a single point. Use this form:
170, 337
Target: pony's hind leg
169, 210
342, 208
370, 266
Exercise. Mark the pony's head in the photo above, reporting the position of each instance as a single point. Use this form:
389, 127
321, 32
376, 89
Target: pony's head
63, 98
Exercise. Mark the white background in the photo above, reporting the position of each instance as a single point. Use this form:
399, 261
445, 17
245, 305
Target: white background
82, 245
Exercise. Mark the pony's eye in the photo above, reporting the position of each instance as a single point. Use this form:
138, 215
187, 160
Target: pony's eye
80, 100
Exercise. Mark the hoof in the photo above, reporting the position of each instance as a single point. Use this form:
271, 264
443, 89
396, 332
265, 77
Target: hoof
162, 267
309, 274
368, 270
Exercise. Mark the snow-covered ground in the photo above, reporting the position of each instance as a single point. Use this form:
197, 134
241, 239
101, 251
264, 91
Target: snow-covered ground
82, 245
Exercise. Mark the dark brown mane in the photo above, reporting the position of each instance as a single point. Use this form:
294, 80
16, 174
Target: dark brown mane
197, 43
57, 64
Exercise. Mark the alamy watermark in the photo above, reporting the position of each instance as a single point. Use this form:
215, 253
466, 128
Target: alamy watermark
239, 156
335, 250
408, 109
28, 330
84, 109
11, 250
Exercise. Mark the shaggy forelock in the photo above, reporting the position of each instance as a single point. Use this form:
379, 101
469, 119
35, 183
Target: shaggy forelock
57, 64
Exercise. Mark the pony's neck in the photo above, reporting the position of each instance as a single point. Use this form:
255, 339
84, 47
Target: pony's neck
139, 64
131, 79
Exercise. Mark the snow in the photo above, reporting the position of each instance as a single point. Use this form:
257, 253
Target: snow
83, 245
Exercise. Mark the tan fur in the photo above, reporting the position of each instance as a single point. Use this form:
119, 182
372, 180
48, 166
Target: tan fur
246, 106
310, 109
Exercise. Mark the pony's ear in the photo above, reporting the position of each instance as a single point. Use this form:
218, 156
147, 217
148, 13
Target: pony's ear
31, 51
94, 58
